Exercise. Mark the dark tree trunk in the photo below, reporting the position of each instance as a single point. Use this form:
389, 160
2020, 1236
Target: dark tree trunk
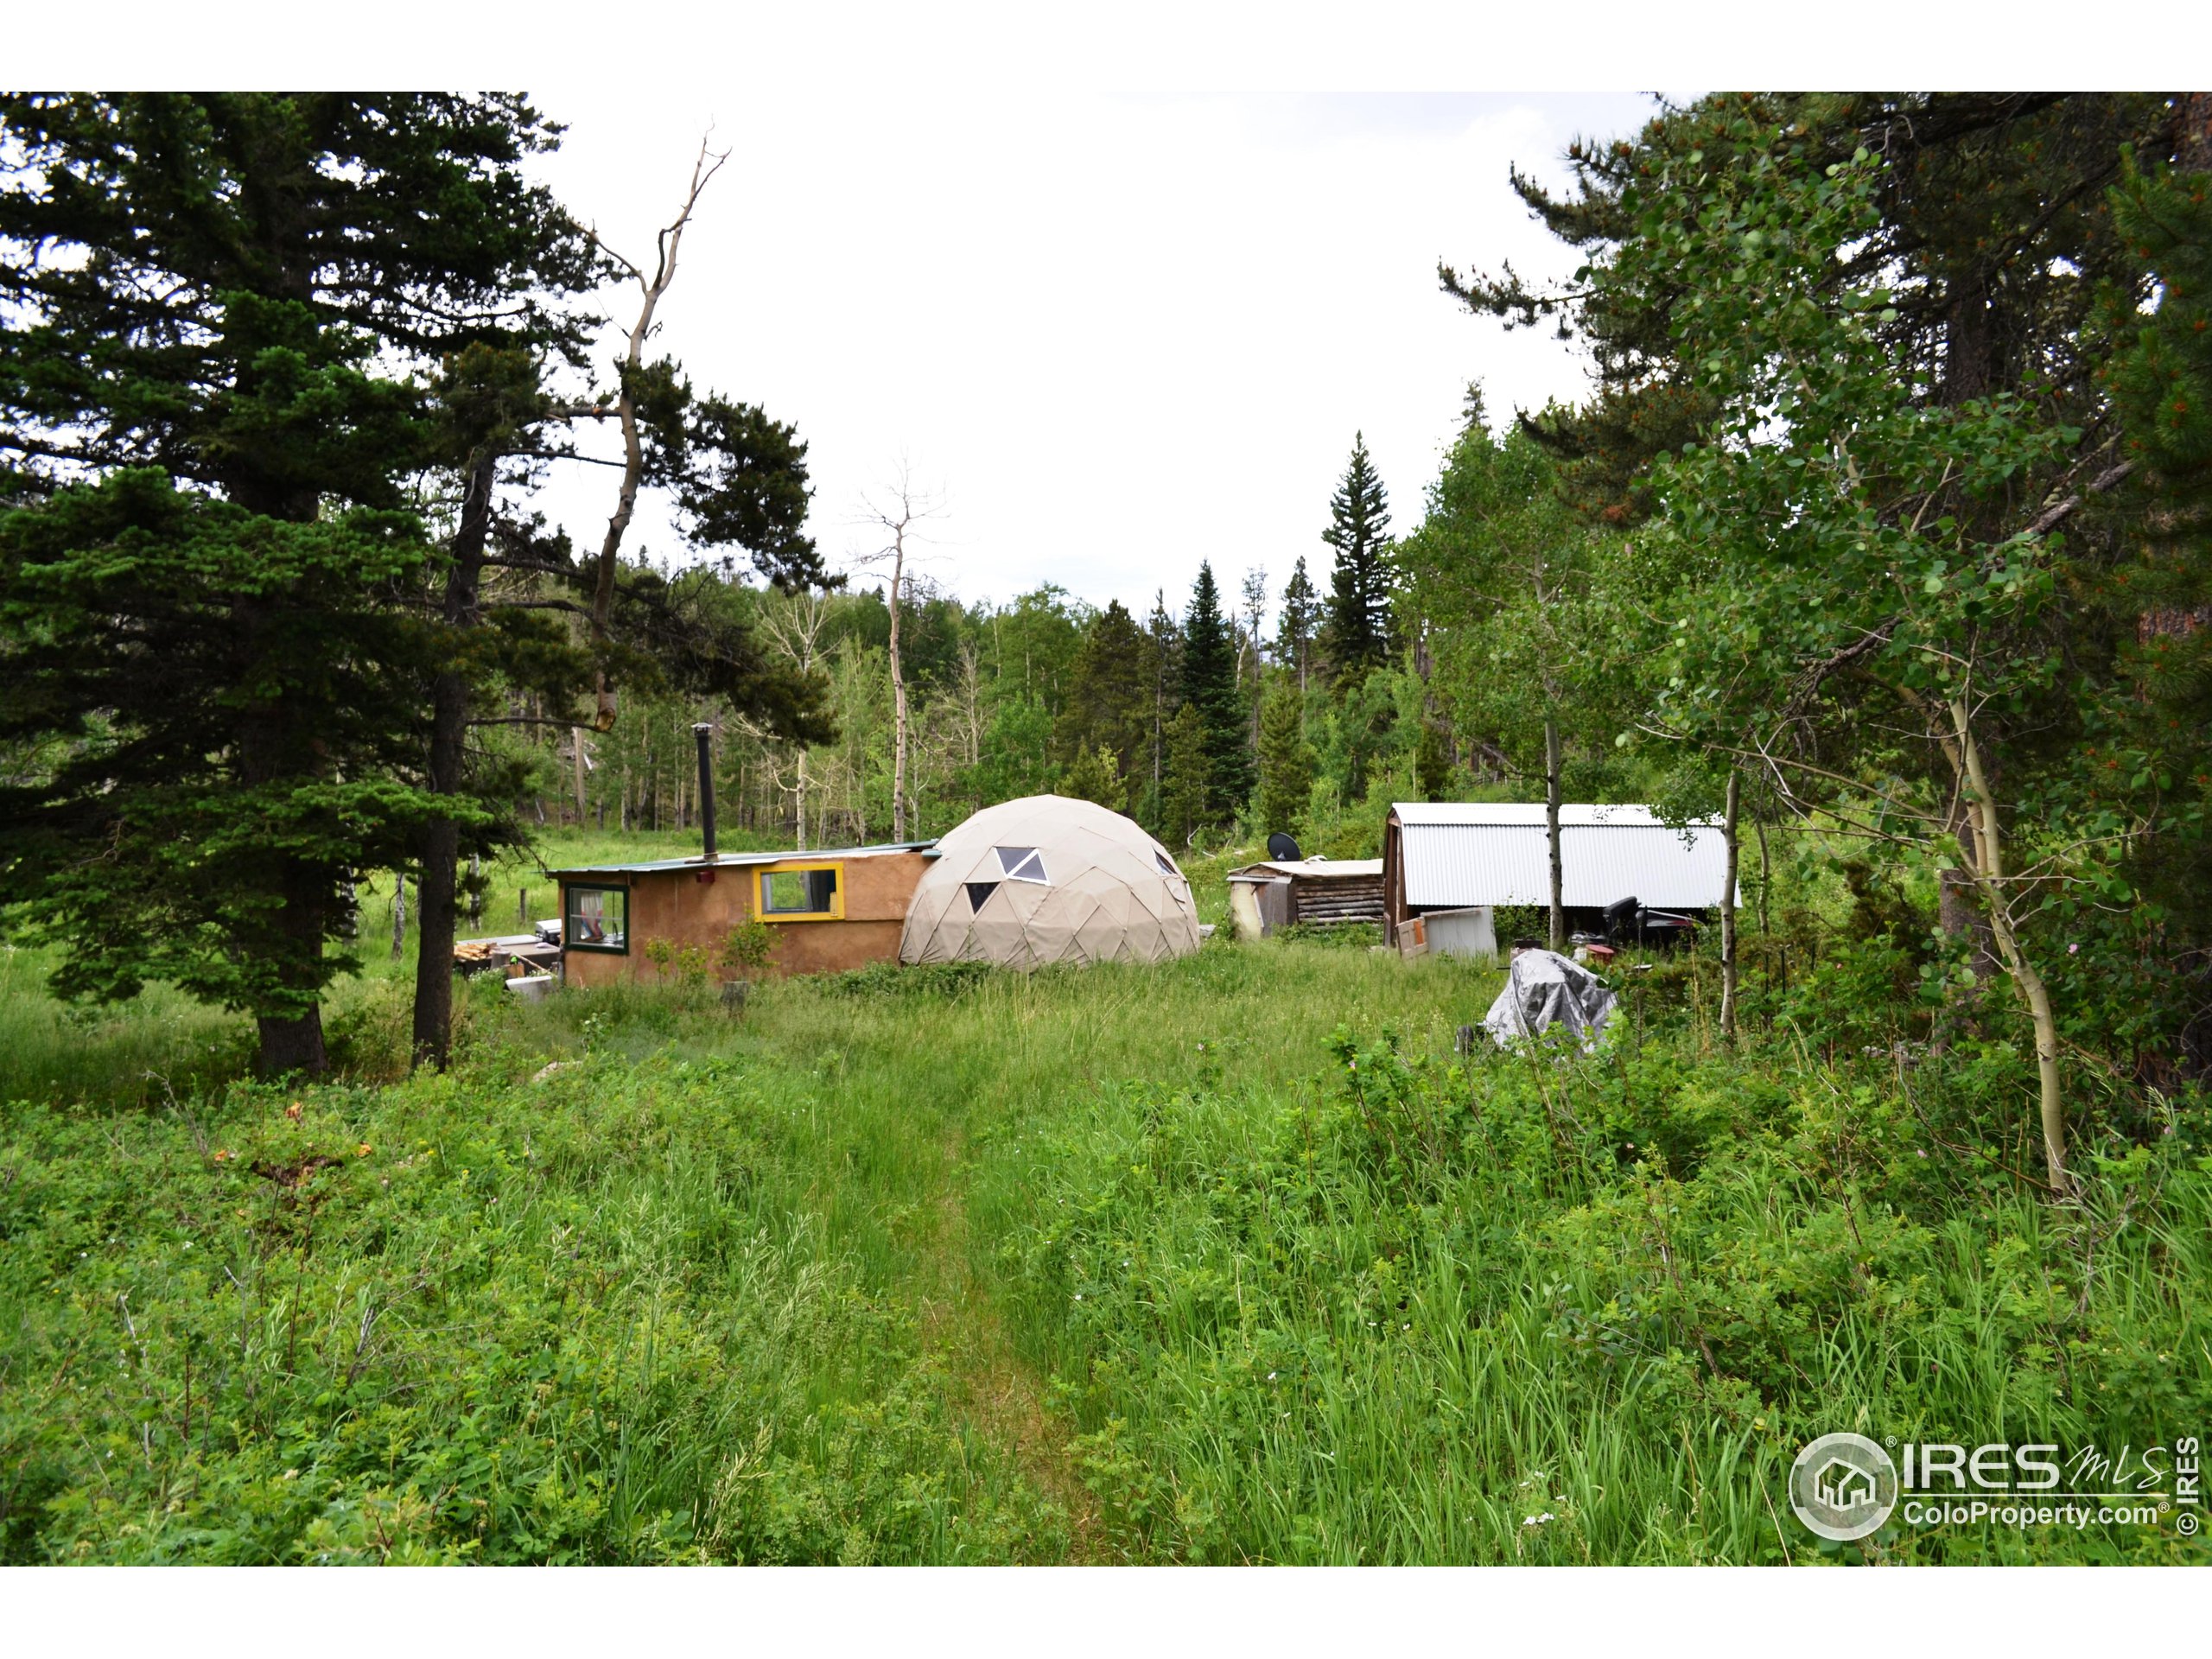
441, 840
1967, 345
1551, 833
289, 1046
294, 1042
267, 749
2193, 143
1958, 909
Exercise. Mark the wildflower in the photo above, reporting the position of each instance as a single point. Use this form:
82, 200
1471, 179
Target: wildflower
1078, 1295
292, 1111
363, 1150
223, 1155
1271, 1376
2072, 949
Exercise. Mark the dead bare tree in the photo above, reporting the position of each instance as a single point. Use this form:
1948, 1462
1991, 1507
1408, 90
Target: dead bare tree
669, 243
902, 509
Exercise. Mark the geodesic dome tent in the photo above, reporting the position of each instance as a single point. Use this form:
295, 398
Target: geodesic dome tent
1044, 879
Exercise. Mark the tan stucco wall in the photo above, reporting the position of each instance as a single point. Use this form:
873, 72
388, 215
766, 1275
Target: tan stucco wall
677, 906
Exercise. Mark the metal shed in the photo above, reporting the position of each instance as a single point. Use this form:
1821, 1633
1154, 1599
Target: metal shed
1457, 855
1278, 892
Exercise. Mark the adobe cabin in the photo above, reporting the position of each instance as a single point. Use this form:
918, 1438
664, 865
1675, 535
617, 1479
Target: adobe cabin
1316, 892
1473, 856
832, 910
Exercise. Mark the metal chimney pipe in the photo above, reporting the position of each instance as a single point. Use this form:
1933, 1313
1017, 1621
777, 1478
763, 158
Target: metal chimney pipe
702, 732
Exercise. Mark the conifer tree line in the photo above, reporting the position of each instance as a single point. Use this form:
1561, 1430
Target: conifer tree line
1886, 516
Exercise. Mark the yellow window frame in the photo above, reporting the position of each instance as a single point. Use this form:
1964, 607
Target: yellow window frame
794, 866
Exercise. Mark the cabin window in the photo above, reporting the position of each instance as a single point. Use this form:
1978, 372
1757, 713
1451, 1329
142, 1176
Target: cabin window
596, 918
811, 892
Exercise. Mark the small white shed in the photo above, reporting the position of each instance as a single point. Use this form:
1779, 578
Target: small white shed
1459, 855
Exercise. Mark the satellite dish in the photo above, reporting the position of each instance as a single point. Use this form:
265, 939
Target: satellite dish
1281, 846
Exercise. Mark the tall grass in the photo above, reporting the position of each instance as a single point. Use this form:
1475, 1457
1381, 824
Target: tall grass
1231, 1260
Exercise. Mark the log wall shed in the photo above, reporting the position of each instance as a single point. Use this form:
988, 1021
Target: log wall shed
833, 911
1464, 855
1315, 892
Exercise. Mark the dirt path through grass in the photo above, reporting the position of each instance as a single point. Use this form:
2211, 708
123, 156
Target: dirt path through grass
992, 1388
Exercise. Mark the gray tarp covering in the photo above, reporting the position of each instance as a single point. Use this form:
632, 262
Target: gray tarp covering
1542, 990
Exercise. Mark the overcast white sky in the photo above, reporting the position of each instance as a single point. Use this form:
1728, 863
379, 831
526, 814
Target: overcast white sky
1120, 332
1117, 335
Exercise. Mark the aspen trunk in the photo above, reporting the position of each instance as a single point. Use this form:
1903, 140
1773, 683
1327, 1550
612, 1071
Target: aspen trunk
1989, 876
1728, 909
802, 799
1551, 831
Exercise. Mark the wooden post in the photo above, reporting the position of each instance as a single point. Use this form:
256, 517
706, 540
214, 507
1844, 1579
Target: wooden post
398, 913
522, 907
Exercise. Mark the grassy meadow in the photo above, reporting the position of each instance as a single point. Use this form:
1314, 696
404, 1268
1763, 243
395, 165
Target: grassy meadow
1233, 1260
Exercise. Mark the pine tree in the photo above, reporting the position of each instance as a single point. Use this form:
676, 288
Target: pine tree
1294, 629
1188, 784
1210, 687
1095, 775
1164, 665
2161, 381
1285, 759
1110, 695
1358, 632
212, 396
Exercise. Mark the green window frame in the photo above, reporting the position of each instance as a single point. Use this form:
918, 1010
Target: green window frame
595, 917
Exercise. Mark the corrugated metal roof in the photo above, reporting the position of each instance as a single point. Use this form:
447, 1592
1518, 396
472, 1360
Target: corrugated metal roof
1618, 815
1606, 853
724, 861
1307, 868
